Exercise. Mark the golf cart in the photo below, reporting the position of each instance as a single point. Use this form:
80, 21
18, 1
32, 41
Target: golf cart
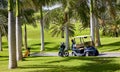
83, 48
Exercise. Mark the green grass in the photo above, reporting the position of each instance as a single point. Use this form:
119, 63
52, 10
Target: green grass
110, 44
62, 64
52, 43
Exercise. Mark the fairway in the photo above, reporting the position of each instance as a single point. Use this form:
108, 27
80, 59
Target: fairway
59, 35
63, 64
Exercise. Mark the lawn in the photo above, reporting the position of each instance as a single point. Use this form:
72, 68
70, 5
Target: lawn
52, 43
62, 64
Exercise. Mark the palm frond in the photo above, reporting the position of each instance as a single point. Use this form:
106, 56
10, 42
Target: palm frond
3, 25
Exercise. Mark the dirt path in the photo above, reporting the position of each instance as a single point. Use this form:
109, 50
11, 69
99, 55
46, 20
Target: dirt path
110, 54
104, 54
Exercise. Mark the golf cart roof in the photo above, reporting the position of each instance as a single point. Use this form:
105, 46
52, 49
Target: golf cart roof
85, 36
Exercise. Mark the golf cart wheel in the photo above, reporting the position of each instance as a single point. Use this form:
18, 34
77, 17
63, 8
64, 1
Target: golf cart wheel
73, 54
96, 53
87, 54
66, 54
60, 54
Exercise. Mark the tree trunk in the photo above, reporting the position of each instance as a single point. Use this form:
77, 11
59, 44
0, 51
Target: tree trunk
62, 34
66, 31
1, 42
42, 29
67, 37
18, 33
92, 25
11, 36
25, 36
104, 31
97, 43
116, 31
18, 39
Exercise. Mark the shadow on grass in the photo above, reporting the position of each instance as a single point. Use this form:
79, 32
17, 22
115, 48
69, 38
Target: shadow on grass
4, 45
100, 59
36, 47
96, 65
3, 58
55, 48
114, 49
46, 43
112, 44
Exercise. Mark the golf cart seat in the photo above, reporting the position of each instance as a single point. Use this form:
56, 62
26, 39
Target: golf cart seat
89, 43
79, 45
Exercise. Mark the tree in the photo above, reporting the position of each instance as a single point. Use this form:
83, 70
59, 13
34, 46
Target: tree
3, 4
100, 7
97, 40
18, 33
3, 20
55, 17
38, 5
11, 36
92, 24
68, 9
3, 29
27, 19
67, 22
111, 18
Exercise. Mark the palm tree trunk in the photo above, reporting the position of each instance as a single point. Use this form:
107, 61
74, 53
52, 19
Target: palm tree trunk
18, 33
0, 42
18, 39
42, 29
116, 31
92, 25
25, 36
97, 43
66, 31
11, 36
62, 34
67, 37
104, 30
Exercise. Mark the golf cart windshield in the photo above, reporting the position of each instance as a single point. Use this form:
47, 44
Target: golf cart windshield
82, 41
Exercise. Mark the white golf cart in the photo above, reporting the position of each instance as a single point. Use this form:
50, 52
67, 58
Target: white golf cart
83, 46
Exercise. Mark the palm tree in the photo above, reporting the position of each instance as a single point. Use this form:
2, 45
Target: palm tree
95, 9
18, 33
99, 7
38, 5
68, 11
3, 4
3, 29
97, 36
92, 24
3, 21
67, 22
11, 36
56, 18
25, 15
111, 18
102, 7
27, 19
